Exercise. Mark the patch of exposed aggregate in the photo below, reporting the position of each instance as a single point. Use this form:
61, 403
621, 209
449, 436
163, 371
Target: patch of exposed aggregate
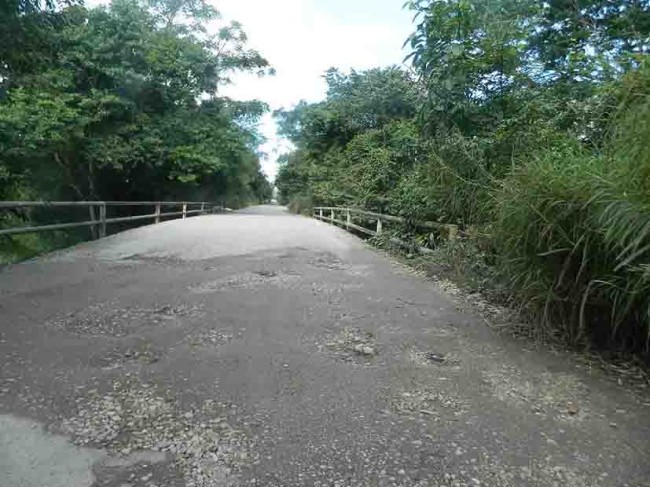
138, 417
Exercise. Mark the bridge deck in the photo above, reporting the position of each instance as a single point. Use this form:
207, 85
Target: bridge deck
260, 348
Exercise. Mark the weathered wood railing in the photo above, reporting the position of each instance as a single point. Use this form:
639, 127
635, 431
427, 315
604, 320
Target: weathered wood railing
328, 214
99, 223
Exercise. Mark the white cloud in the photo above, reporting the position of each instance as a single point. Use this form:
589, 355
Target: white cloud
302, 39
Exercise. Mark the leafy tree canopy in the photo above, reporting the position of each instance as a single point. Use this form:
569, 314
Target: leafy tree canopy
121, 102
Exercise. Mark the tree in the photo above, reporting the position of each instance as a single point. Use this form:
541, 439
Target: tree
121, 102
362, 114
594, 35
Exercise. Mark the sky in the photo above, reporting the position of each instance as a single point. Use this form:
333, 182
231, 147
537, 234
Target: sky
302, 39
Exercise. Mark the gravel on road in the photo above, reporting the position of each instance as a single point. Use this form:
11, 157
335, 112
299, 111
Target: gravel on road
259, 348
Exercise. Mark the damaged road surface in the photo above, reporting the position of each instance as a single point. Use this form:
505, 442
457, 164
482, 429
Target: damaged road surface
264, 349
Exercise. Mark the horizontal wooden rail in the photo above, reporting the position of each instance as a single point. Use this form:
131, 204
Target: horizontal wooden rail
102, 221
25, 204
390, 218
328, 214
370, 214
351, 225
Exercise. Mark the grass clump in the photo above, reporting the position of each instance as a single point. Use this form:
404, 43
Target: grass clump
571, 230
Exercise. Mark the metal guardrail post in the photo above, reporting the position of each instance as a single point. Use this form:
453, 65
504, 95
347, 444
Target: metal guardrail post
348, 219
332, 215
157, 218
203, 208
321, 212
102, 221
379, 229
184, 211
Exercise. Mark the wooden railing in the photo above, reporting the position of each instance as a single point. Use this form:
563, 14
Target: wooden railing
329, 214
98, 222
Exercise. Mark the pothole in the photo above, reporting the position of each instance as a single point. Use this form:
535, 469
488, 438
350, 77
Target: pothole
143, 354
353, 345
327, 261
446, 330
248, 280
166, 261
433, 358
110, 320
560, 395
266, 273
137, 417
434, 403
209, 338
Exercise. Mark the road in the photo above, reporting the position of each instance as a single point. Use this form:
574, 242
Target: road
264, 349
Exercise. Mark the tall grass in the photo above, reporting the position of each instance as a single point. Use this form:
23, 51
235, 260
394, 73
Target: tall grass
572, 232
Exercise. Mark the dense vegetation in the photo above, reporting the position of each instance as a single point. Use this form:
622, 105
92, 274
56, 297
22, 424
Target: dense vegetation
121, 103
526, 121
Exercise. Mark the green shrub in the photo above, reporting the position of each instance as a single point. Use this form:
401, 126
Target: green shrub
464, 262
301, 205
574, 245
572, 230
449, 185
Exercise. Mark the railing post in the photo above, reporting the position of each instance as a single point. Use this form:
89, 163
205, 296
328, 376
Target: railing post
379, 229
203, 208
348, 219
321, 213
184, 210
332, 215
157, 213
93, 227
102, 220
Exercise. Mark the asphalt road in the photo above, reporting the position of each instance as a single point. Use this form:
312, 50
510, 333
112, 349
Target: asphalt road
264, 349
